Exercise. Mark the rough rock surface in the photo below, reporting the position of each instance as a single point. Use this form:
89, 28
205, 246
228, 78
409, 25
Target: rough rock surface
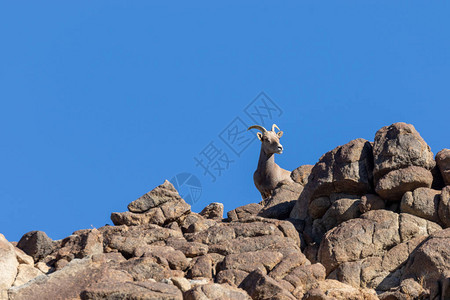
345, 169
355, 232
403, 161
443, 162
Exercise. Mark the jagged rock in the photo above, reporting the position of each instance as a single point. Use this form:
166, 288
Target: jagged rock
36, 244
160, 215
243, 212
301, 174
159, 195
346, 169
443, 162
25, 273
159, 206
80, 244
430, 262
260, 286
232, 277
422, 202
444, 207
213, 211
283, 199
371, 202
394, 184
400, 146
215, 291
8, 264
143, 290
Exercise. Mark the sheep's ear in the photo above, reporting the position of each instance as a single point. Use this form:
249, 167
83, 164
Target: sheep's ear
259, 135
280, 134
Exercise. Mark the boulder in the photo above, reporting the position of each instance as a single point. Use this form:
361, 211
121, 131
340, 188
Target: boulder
301, 174
160, 206
333, 289
346, 169
213, 211
163, 193
283, 199
400, 146
318, 207
443, 162
243, 212
36, 244
444, 207
430, 263
422, 202
25, 273
80, 244
8, 264
69, 282
215, 291
143, 290
396, 183
260, 286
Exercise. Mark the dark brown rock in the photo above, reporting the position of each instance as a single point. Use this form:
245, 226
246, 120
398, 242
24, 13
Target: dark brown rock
444, 207
400, 146
201, 267
80, 244
422, 202
371, 202
346, 169
36, 244
318, 207
260, 286
283, 199
213, 211
245, 211
394, 184
159, 195
250, 261
189, 249
443, 162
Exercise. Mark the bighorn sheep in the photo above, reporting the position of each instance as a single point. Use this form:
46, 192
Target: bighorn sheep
268, 174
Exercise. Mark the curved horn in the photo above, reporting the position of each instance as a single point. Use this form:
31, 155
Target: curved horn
257, 127
275, 126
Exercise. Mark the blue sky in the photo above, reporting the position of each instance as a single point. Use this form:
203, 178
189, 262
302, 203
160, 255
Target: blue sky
101, 101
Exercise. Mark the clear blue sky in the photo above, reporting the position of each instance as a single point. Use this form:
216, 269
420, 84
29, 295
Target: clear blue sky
103, 100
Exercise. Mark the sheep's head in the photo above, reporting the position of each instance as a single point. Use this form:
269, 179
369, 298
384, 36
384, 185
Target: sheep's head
270, 139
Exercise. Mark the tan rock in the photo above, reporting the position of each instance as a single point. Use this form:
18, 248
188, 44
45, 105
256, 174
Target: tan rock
8, 263
301, 174
26, 273
23, 258
245, 211
215, 291
260, 286
213, 211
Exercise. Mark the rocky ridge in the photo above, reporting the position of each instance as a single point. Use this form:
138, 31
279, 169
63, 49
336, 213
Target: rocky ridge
370, 220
